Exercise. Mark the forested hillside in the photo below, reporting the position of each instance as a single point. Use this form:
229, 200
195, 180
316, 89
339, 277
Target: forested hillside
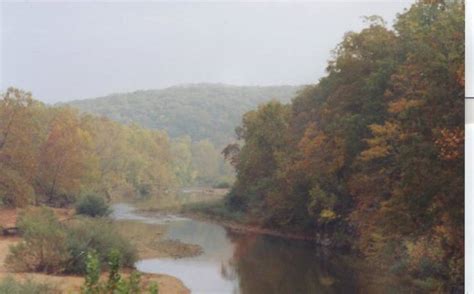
201, 111
374, 152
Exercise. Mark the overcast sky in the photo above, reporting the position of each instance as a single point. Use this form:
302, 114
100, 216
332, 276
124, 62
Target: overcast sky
64, 51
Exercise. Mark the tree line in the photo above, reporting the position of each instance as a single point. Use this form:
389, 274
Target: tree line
374, 152
52, 155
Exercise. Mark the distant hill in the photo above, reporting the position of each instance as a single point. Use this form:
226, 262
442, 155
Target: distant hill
202, 111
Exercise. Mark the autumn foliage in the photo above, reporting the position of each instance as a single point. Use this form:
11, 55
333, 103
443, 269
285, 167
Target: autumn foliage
52, 155
374, 152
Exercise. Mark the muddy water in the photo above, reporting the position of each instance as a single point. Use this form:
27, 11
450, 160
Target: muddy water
247, 263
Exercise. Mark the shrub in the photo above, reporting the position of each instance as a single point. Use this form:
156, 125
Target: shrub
153, 288
100, 235
91, 279
116, 283
52, 247
9, 285
92, 205
114, 263
44, 245
134, 282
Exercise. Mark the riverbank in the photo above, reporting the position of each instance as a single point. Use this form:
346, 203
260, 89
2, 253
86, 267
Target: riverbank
240, 255
72, 283
214, 211
239, 227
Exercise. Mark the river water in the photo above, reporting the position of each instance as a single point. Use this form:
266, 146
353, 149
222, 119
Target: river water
247, 263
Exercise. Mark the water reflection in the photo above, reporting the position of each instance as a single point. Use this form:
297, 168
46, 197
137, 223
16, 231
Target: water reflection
206, 273
243, 263
268, 264
251, 263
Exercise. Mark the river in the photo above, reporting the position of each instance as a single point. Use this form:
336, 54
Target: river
247, 263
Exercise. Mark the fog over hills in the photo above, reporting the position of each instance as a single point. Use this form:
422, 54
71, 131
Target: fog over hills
202, 111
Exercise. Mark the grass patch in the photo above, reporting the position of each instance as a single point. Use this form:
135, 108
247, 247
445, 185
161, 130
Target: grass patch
12, 286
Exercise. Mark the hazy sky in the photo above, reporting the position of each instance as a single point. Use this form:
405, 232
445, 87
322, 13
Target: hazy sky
64, 51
